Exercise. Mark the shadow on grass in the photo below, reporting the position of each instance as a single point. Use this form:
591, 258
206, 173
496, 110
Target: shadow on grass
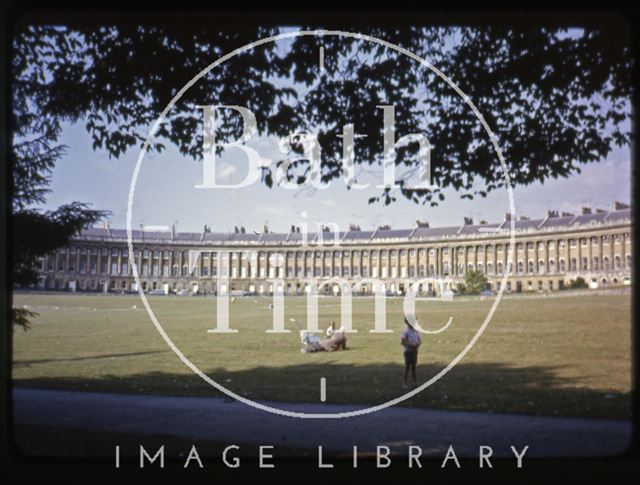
28, 363
485, 387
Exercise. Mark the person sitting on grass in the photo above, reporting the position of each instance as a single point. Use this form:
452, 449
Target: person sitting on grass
410, 340
331, 329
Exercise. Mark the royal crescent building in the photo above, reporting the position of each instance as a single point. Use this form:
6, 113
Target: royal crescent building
548, 254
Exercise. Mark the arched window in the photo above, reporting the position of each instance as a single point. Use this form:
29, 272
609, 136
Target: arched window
573, 264
605, 263
552, 266
596, 263
628, 261
499, 268
561, 265
520, 267
530, 267
617, 262
541, 266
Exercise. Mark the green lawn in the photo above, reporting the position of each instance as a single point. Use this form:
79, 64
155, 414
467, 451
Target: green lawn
567, 355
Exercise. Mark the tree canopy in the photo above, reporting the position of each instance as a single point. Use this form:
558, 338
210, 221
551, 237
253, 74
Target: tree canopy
556, 98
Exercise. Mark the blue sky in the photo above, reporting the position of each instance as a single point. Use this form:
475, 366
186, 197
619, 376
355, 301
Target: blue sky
166, 193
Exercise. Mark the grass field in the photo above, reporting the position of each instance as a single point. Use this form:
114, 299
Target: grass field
568, 355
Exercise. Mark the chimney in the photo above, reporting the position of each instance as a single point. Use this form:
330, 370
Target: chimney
293, 228
482, 222
601, 211
468, 221
552, 214
173, 231
620, 206
507, 216
265, 229
354, 227
384, 227
586, 210
243, 230
524, 218
235, 230
420, 223
567, 214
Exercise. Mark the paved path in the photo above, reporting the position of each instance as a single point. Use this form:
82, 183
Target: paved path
228, 421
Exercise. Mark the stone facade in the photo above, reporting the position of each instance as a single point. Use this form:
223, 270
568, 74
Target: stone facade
548, 254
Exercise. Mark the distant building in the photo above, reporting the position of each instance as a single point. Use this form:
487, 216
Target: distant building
549, 253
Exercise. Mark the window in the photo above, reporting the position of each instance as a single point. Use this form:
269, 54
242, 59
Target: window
531, 266
561, 265
617, 262
595, 264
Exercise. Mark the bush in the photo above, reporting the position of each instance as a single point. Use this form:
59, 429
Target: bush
475, 281
460, 289
577, 284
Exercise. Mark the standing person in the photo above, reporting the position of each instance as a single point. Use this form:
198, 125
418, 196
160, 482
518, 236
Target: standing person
410, 341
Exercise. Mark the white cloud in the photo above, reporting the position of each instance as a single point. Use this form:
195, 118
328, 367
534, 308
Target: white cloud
227, 170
